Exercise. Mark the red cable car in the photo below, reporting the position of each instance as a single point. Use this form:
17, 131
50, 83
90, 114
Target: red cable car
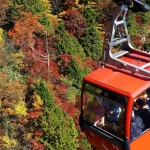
110, 92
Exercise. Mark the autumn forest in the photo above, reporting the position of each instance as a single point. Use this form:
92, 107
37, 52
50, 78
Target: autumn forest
46, 48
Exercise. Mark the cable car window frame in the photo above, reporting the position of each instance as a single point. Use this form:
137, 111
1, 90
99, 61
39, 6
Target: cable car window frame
88, 90
107, 99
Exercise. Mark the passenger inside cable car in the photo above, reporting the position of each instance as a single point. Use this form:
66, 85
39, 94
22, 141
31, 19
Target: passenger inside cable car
104, 110
137, 126
112, 110
95, 112
143, 112
141, 119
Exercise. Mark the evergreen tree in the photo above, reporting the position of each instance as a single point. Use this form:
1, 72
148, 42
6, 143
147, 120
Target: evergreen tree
59, 130
34, 6
42, 90
92, 43
69, 44
76, 73
45, 20
90, 15
146, 18
131, 23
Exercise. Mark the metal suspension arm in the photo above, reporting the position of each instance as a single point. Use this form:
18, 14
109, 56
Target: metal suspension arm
117, 37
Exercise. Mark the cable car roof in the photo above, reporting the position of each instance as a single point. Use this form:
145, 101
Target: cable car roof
115, 79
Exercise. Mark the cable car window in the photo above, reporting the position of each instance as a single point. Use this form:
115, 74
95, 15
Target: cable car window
105, 93
140, 120
103, 110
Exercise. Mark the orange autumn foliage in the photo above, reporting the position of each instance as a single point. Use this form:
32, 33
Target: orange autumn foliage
24, 29
37, 145
34, 114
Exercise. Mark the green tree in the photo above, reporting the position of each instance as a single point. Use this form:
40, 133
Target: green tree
14, 13
90, 15
69, 44
34, 6
12, 63
59, 129
92, 43
45, 20
146, 18
132, 25
76, 73
42, 90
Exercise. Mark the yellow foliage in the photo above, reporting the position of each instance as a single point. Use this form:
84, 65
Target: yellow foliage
9, 143
18, 58
29, 136
1, 34
1, 37
45, 1
62, 13
37, 101
21, 109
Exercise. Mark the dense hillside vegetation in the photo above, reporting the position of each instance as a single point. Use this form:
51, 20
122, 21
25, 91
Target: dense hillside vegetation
46, 47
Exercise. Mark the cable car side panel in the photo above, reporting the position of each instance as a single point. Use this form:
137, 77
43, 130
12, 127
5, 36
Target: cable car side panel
142, 142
